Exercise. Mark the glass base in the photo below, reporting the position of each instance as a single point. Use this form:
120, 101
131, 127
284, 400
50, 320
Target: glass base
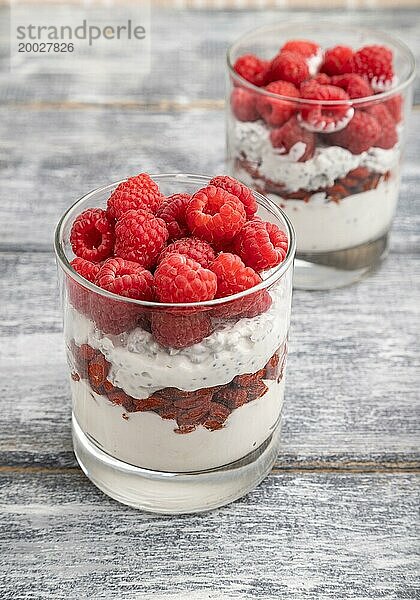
174, 493
329, 270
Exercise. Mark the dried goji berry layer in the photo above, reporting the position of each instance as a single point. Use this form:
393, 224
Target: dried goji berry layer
355, 182
209, 407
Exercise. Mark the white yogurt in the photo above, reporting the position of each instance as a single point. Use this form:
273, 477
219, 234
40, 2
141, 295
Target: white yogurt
323, 226
146, 440
141, 366
252, 141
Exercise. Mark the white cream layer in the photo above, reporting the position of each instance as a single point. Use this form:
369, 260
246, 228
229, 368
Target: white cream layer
141, 366
329, 163
145, 440
323, 226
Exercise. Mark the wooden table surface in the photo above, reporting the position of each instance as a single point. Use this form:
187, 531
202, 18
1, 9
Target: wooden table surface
338, 516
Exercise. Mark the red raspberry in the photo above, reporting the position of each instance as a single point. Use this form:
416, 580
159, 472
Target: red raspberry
181, 279
126, 278
193, 248
180, 331
244, 105
394, 105
92, 235
355, 85
388, 136
79, 296
215, 215
172, 211
322, 79
375, 63
303, 47
140, 237
337, 60
288, 66
290, 134
261, 302
261, 245
252, 68
113, 316
359, 135
85, 268
139, 192
238, 189
232, 275
276, 112
319, 117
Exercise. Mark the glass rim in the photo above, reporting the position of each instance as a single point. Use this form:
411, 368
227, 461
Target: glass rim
310, 102
276, 273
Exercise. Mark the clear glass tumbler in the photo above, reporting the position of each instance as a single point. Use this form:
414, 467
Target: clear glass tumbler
175, 430
340, 199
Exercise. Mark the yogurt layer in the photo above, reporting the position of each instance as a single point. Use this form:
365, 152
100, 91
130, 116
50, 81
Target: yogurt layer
141, 366
323, 226
145, 440
252, 141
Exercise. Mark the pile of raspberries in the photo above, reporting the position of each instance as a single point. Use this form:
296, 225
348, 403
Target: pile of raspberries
344, 75
176, 249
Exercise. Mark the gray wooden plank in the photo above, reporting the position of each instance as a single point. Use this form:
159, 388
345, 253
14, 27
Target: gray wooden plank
49, 158
298, 535
352, 383
190, 62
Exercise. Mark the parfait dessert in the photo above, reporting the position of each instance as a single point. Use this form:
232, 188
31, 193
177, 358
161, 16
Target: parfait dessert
177, 309
318, 127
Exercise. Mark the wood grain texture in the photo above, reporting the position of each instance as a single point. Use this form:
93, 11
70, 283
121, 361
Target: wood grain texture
307, 536
44, 173
352, 383
337, 518
188, 65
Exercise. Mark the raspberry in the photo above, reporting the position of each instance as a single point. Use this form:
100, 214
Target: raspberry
394, 105
303, 47
140, 237
252, 68
85, 268
259, 303
322, 79
79, 296
92, 235
126, 278
359, 135
275, 111
172, 211
232, 275
180, 331
215, 215
243, 105
113, 316
288, 66
233, 186
139, 192
181, 279
319, 117
388, 136
193, 248
355, 85
375, 63
261, 245
337, 60
292, 133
